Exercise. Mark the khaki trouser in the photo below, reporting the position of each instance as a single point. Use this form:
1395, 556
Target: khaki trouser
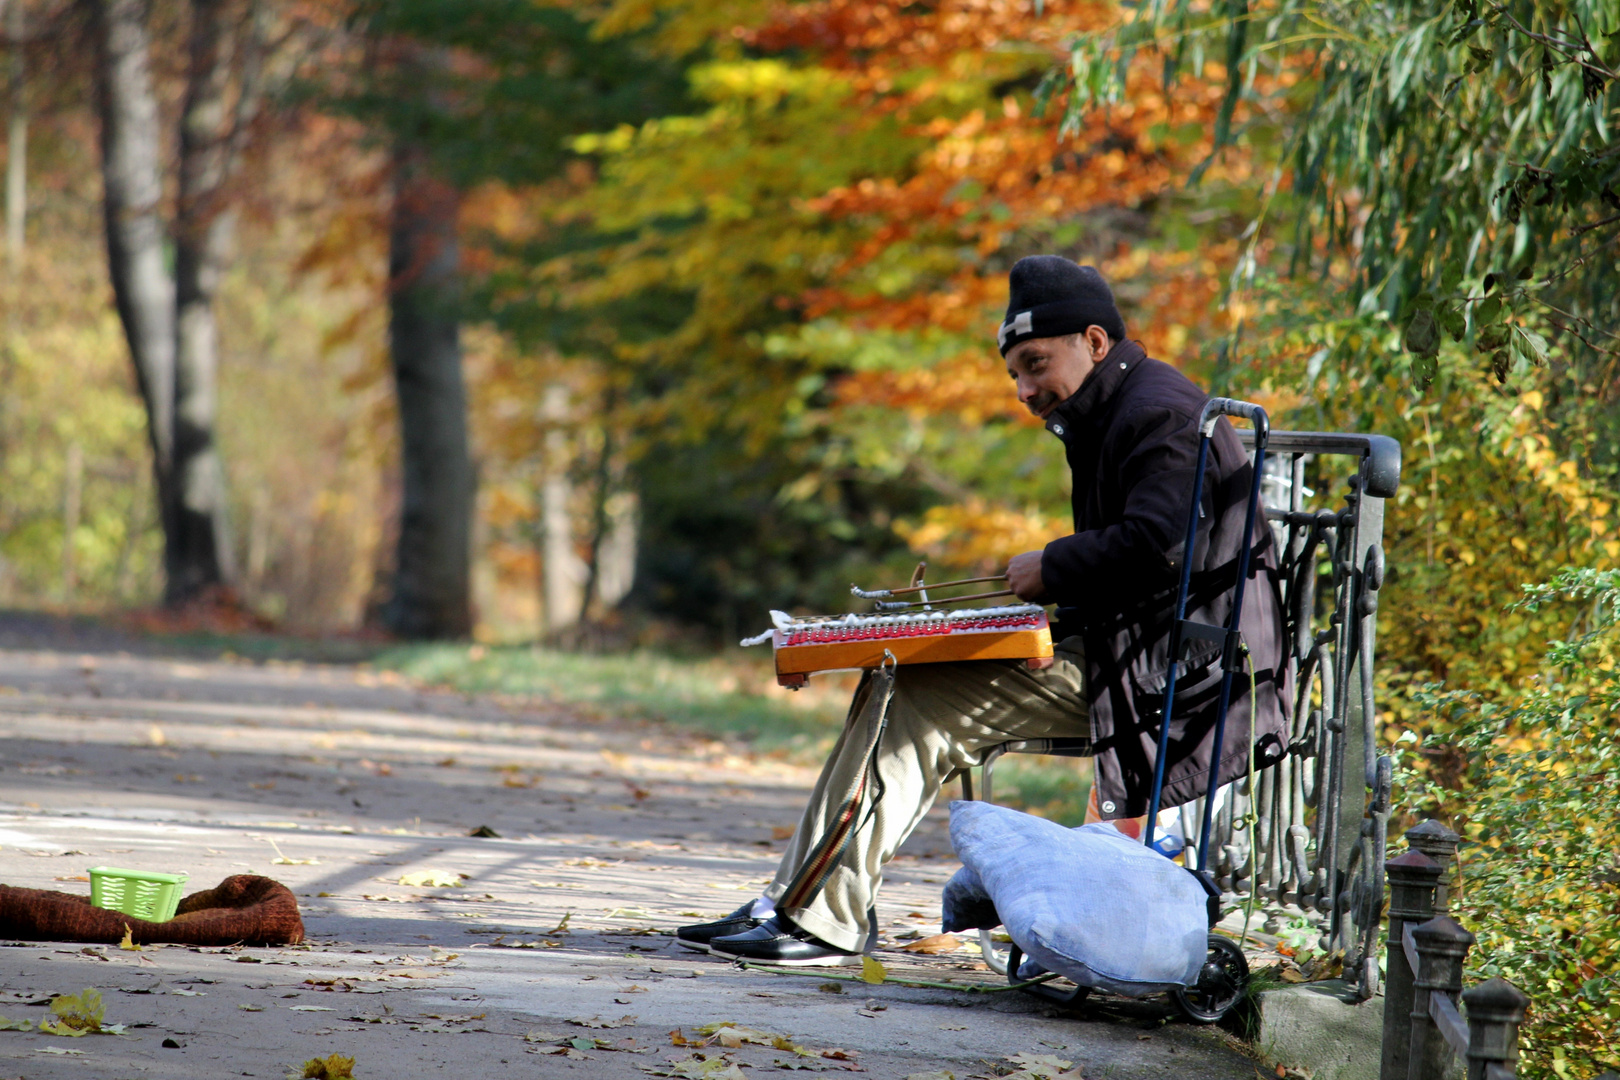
885, 771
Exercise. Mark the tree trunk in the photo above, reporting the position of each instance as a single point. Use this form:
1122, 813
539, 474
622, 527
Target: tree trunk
431, 595
198, 550
72, 505
562, 571
169, 321
16, 141
131, 146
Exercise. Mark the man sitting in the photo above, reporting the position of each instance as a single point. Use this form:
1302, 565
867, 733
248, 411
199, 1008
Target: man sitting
1129, 426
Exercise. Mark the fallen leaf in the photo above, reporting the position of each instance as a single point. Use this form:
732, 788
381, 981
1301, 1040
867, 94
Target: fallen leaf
334, 1067
189, 993
939, 1075
128, 943
732, 1036
16, 1025
73, 1015
250, 1008
699, 1067
434, 879
1038, 1063
939, 943
830, 988
57, 1050
872, 971
75, 877
598, 1022
309, 1008
538, 1036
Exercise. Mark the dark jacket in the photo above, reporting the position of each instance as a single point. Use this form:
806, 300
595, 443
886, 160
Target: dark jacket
1131, 437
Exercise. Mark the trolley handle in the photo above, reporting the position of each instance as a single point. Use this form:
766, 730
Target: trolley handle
1247, 410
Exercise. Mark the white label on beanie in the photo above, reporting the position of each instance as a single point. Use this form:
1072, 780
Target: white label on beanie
1021, 323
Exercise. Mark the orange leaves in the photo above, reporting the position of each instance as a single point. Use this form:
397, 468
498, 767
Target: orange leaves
870, 36
974, 386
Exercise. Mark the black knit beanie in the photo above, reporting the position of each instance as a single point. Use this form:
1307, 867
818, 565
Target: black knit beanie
1049, 296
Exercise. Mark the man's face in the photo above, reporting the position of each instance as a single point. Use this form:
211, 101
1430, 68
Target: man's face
1049, 370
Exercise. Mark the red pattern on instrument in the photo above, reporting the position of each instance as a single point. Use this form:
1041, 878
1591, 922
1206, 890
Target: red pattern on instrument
933, 628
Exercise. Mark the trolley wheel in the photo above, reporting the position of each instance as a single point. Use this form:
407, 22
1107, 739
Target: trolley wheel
1222, 983
1015, 960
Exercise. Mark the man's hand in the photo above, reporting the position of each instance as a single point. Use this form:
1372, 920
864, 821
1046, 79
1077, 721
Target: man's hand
1024, 575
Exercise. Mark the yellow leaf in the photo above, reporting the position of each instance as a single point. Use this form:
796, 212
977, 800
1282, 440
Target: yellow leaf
75, 1014
434, 879
939, 943
872, 971
335, 1067
128, 944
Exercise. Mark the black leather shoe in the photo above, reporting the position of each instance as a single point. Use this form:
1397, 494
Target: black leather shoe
699, 935
781, 943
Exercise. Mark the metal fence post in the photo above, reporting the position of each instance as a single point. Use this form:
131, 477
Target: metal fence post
1413, 878
1495, 1010
1440, 844
1442, 946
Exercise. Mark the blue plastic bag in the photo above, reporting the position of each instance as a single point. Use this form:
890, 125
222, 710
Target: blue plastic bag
1091, 904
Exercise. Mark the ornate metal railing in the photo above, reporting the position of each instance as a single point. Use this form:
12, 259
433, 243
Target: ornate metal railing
1318, 818
1320, 815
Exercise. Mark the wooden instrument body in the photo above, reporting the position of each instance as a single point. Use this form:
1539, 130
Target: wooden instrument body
854, 643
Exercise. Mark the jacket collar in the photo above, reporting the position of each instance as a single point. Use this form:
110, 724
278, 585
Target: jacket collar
1097, 391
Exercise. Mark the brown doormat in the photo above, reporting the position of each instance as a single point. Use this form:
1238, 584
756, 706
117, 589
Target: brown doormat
243, 909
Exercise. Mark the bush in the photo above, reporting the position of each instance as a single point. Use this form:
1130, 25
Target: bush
1536, 795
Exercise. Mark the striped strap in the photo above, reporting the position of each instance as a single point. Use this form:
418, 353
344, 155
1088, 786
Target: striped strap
870, 709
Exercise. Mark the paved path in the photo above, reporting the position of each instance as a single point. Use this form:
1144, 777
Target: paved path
339, 782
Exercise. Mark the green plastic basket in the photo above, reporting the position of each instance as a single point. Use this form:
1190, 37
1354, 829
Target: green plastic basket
137, 893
